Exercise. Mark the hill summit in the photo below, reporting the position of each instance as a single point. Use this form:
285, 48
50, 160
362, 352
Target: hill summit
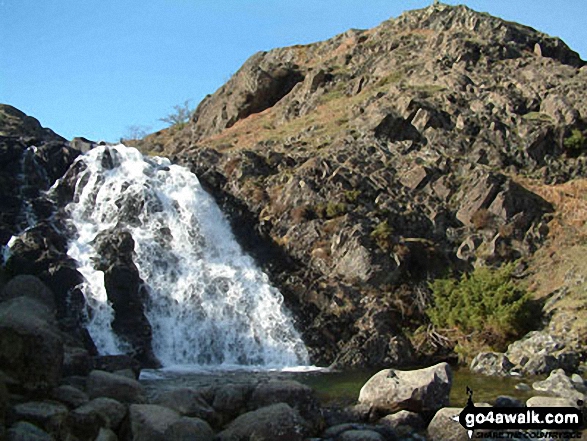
359, 168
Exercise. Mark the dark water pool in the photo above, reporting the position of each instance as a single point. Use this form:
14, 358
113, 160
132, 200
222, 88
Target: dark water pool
336, 388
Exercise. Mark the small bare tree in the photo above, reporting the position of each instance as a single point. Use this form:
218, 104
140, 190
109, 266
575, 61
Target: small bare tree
136, 131
180, 115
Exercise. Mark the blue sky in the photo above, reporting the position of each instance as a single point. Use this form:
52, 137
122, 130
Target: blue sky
95, 68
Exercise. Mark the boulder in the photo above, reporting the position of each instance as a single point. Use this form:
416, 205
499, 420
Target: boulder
189, 429
540, 353
31, 348
106, 435
110, 412
123, 389
540, 401
114, 363
70, 396
491, 363
421, 390
28, 286
559, 384
278, 421
48, 415
507, 401
443, 426
149, 422
76, 361
361, 435
403, 422
359, 432
190, 403
298, 396
231, 400
24, 431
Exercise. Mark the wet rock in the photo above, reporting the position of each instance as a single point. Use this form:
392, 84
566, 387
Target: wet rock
491, 363
31, 348
278, 421
507, 401
422, 390
149, 422
114, 363
126, 292
123, 389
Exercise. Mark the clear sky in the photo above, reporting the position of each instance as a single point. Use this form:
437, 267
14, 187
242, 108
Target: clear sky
95, 68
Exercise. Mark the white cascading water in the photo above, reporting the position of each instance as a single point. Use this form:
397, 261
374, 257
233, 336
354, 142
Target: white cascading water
209, 304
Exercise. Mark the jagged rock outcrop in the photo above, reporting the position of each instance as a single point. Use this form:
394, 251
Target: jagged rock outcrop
358, 168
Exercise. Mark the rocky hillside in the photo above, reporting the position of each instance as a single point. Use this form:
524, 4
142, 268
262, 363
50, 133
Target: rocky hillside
359, 168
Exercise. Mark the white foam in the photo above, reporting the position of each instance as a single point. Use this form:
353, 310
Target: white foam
209, 304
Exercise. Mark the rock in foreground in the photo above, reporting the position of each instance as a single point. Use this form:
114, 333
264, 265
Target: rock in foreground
421, 390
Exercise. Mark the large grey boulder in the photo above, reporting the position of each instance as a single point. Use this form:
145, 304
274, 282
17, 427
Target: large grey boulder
31, 347
421, 390
149, 422
118, 387
275, 422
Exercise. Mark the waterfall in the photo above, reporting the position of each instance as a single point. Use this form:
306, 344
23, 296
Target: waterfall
209, 305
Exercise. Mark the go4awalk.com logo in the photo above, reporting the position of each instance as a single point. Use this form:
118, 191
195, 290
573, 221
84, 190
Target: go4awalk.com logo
520, 423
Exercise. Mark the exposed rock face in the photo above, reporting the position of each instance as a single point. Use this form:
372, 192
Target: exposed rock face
358, 168
126, 292
422, 390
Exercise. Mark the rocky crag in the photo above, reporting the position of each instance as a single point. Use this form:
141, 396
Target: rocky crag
359, 168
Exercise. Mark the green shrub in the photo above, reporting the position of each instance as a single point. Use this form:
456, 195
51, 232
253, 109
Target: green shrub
330, 210
352, 195
576, 141
382, 235
486, 303
335, 209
